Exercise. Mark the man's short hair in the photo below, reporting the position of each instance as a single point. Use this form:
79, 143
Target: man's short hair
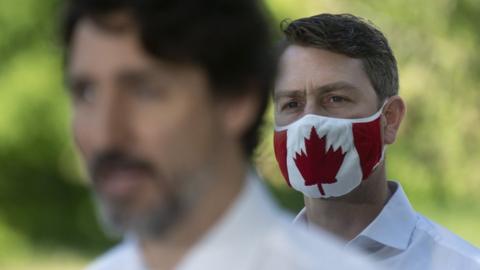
230, 39
351, 36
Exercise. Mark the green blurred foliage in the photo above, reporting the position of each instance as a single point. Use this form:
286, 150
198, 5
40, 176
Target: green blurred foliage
46, 214
43, 203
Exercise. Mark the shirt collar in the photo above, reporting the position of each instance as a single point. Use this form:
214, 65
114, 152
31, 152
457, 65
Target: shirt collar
393, 227
396, 222
253, 203
301, 218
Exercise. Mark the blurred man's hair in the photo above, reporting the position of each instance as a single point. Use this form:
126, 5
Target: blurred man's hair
229, 39
351, 36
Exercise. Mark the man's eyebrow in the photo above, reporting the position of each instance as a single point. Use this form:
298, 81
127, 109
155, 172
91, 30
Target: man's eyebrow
129, 76
288, 93
135, 75
339, 85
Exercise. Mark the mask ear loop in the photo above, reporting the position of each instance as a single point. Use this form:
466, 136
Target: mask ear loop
383, 105
384, 146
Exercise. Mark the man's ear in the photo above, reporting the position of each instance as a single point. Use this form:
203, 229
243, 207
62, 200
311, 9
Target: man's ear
239, 113
393, 114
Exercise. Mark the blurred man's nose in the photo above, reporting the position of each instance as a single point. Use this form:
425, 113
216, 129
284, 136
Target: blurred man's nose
111, 128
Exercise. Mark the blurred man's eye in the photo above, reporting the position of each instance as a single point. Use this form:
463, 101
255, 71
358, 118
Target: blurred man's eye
82, 92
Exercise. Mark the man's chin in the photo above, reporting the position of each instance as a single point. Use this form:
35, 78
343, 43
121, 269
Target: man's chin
118, 219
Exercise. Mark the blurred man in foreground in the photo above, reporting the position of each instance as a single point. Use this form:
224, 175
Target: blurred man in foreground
167, 100
336, 108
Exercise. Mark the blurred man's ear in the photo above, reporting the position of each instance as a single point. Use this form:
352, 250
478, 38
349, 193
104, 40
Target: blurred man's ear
393, 114
239, 113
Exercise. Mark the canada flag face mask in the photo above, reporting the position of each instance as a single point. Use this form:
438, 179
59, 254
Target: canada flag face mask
328, 157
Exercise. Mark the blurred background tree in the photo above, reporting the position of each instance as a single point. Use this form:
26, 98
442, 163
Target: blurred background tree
45, 208
47, 219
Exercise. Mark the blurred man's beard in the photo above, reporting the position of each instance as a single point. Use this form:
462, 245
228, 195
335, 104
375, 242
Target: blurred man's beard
153, 222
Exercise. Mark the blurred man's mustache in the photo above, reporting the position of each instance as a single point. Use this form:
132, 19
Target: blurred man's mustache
109, 160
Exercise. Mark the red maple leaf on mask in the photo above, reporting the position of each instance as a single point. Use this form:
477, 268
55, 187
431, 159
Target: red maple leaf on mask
317, 165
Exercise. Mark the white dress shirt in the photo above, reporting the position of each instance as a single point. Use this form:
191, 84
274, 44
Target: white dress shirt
254, 234
400, 238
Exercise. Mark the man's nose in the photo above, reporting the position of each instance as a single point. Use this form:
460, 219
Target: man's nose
311, 107
112, 125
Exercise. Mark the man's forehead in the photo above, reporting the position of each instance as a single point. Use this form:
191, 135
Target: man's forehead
320, 56
307, 68
95, 46
317, 89
113, 23
89, 35
95, 49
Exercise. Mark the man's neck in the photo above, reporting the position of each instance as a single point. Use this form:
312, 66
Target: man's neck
167, 252
347, 216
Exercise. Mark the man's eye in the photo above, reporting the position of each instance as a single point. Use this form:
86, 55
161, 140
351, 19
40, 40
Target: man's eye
83, 92
290, 105
336, 99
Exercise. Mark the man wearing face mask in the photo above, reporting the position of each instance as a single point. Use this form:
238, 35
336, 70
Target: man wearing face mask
336, 108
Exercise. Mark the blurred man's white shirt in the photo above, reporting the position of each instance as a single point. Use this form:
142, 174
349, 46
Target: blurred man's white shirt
401, 238
254, 234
